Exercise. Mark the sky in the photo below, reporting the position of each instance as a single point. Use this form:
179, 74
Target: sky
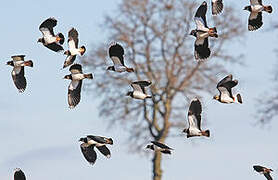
39, 133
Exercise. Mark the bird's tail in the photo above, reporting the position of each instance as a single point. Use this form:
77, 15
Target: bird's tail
239, 99
89, 76
268, 9
28, 63
166, 151
129, 69
61, 38
206, 133
149, 96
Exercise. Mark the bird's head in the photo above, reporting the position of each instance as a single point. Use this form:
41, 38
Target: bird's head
193, 33
130, 93
11, 63
68, 77
150, 146
82, 50
109, 141
17, 169
111, 68
216, 97
85, 140
247, 8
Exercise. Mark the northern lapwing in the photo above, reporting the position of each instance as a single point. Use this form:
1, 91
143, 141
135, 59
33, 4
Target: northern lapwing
91, 141
194, 120
256, 8
49, 39
139, 90
160, 147
19, 174
18, 76
202, 32
225, 89
263, 170
116, 53
73, 48
74, 89
217, 6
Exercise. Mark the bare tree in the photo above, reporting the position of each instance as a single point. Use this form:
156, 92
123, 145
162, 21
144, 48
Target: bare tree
156, 38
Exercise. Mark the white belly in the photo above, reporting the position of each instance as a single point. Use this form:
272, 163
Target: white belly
139, 95
18, 63
194, 132
75, 52
202, 35
257, 8
120, 68
227, 99
49, 39
78, 76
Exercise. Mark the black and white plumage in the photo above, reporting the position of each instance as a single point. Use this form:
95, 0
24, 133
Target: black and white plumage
74, 89
158, 146
256, 8
91, 141
263, 170
139, 90
49, 39
116, 53
18, 74
202, 32
194, 120
225, 89
217, 6
73, 48
19, 174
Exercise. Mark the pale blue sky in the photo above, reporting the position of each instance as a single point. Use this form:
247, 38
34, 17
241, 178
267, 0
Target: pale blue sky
40, 134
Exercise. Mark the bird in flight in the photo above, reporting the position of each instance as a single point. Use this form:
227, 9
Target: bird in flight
49, 39
160, 147
91, 141
194, 120
116, 53
225, 90
18, 74
256, 8
263, 170
74, 89
201, 33
19, 174
73, 48
139, 90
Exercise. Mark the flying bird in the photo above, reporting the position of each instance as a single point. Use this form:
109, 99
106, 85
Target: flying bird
139, 90
160, 147
263, 170
217, 6
18, 64
116, 53
19, 174
225, 89
73, 48
194, 120
74, 89
256, 8
202, 32
91, 141
49, 39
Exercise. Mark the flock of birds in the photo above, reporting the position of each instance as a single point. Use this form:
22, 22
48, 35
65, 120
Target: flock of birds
116, 54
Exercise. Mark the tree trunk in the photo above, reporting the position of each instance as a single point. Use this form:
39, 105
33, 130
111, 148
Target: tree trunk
157, 172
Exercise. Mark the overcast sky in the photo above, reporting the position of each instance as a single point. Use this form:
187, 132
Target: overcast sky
39, 133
